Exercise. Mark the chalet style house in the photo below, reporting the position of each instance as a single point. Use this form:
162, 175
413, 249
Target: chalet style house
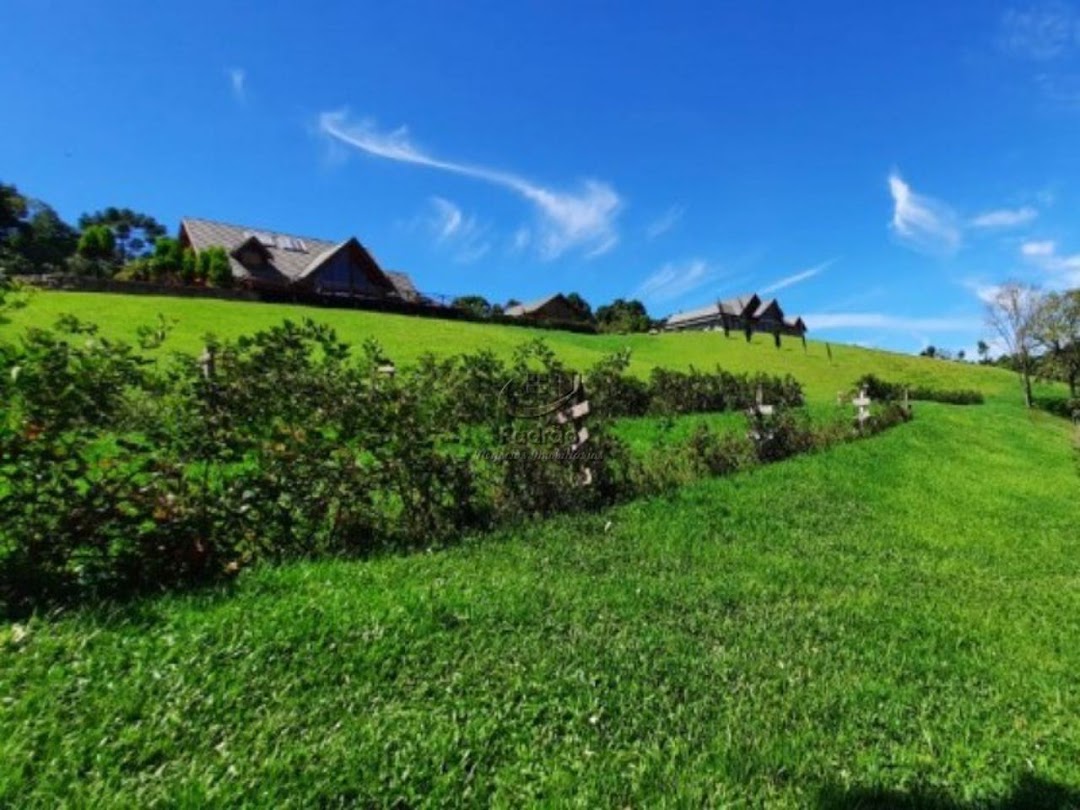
553, 308
741, 314
273, 261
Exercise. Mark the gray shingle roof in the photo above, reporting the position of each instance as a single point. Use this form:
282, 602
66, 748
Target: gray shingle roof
284, 266
524, 309
404, 285
765, 306
738, 304
289, 258
702, 313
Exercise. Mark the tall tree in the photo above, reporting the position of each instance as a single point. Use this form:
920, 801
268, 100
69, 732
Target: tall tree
1057, 332
12, 210
582, 310
47, 241
1013, 315
32, 235
134, 232
97, 242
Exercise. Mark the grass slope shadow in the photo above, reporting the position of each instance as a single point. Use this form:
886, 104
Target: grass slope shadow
1030, 793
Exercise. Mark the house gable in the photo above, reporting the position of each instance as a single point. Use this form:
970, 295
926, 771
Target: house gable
346, 268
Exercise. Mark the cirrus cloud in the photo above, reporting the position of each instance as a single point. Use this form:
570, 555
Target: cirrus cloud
921, 222
1005, 217
585, 219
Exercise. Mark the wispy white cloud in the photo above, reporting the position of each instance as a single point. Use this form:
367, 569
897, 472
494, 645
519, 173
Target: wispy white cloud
520, 240
1060, 271
984, 292
1036, 249
1005, 217
675, 280
796, 278
665, 222
921, 222
238, 82
1040, 32
448, 217
584, 220
884, 321
453, 228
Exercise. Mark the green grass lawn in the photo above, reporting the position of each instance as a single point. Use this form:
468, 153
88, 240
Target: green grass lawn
896, 614
406, 338
900, 613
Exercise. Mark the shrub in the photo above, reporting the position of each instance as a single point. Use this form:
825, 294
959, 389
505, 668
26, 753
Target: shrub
677, 392
614, 393
1065, 407
880, 390
780, 435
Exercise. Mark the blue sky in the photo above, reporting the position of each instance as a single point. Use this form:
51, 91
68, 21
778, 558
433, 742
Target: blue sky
879, 167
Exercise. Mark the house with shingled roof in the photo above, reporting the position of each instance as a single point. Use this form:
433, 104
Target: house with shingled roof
744, 313
551, 308
273, 261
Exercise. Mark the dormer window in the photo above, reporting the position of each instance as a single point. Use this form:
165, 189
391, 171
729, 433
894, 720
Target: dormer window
251, 252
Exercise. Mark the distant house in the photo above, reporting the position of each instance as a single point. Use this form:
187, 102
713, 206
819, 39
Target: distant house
795, 327
744, 313
269, 260
553, 308
733, 313
768, 317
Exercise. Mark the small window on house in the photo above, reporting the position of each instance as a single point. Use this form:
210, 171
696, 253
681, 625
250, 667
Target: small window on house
291, 243
263, 237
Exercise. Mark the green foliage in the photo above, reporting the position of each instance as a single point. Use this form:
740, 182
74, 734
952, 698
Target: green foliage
1057, 332
167, 261
33, 238
676, 392
189, 267
134, 233
581, 309
623, 316
218, 271
614, 392
406, 338
878, 389
844, 607
122, 474
97, 242
475, 305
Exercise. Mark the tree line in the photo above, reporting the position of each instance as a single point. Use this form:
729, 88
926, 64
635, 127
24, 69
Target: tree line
621, 315
110, 243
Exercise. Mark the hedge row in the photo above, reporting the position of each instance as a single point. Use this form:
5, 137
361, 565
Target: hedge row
119, 475
671, 393
881, 390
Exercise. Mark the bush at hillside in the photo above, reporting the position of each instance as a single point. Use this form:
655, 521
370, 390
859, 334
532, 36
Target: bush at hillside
118, 474
881, 390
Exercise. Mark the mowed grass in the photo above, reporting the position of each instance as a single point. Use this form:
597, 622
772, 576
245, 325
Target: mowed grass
899, 613
896, 614
405, 338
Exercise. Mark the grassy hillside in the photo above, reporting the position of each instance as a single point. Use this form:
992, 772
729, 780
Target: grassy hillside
900, 613
893, 620
405, 338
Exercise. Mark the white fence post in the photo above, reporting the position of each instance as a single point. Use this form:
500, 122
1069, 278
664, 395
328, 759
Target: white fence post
862, 403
